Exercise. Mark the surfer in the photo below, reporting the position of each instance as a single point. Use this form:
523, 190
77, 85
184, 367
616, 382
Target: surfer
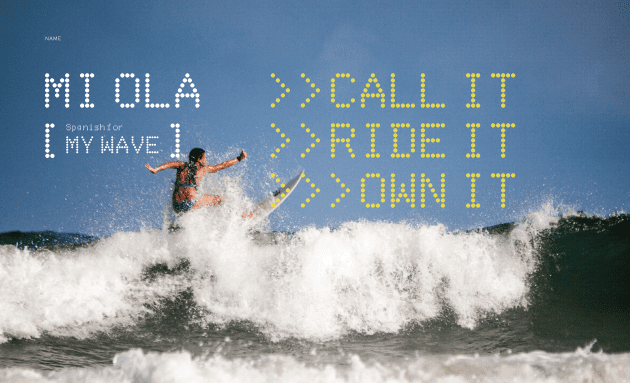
189, 175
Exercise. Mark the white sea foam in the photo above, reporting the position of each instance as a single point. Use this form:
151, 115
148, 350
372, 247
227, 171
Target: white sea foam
364, 277
78, 292
138, 366
317, 284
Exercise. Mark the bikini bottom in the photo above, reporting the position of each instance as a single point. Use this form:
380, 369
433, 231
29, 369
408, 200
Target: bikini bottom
182, 207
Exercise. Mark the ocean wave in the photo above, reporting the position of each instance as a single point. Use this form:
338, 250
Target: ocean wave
315, 284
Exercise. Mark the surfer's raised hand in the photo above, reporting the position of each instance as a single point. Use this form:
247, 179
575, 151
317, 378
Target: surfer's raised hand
151, 169
242, 156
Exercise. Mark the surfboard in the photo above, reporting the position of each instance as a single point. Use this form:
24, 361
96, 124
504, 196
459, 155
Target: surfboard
275, 199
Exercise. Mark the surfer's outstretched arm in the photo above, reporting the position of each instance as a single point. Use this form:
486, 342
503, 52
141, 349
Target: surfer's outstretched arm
167, 165
215, 168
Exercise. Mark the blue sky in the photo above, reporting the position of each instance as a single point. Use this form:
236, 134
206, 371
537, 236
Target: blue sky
569, 102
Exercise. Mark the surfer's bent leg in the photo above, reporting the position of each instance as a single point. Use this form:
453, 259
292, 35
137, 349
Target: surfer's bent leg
212, 200
208, 200
250, 214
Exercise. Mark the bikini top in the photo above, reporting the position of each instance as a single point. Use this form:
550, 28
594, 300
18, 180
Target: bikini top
190, 177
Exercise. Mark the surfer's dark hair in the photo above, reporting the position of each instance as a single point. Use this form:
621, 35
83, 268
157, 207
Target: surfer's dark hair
191, 165
195, 155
